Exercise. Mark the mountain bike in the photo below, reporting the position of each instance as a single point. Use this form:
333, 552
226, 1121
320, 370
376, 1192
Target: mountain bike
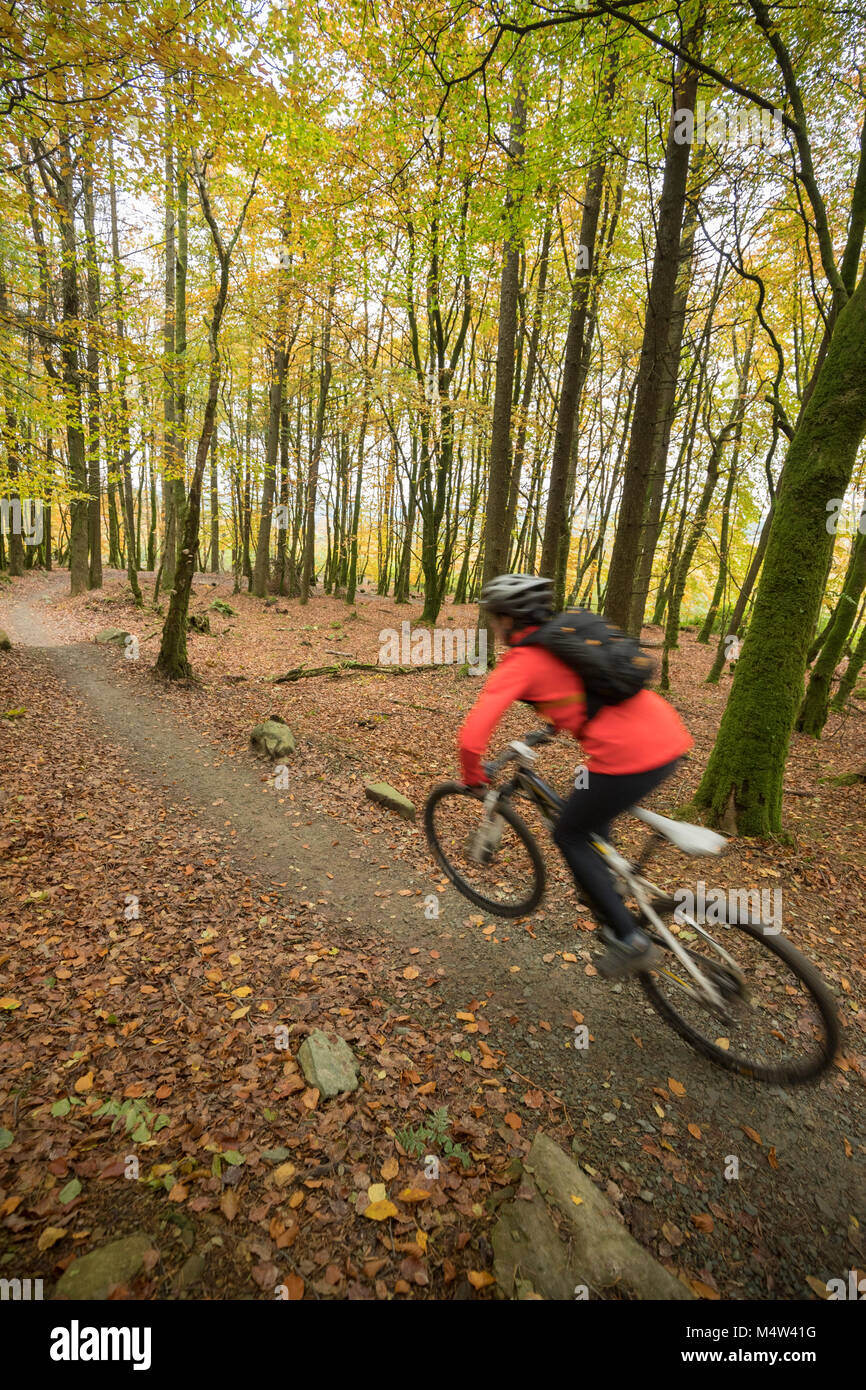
751, 1003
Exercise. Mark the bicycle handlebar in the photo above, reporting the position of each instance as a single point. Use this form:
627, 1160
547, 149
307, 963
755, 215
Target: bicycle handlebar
532, 740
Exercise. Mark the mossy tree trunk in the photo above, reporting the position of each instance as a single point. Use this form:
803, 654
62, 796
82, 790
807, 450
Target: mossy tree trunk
852, 671
746, 768
815, 707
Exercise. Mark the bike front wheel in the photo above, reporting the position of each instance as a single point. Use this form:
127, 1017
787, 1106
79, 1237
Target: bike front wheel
494, 860
778, 1022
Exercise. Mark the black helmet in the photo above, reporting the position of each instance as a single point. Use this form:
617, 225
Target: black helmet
524, 597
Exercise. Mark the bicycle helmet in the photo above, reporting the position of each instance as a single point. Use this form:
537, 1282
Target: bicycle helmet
526, 598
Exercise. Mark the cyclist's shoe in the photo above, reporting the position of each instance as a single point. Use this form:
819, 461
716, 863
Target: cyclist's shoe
627, 956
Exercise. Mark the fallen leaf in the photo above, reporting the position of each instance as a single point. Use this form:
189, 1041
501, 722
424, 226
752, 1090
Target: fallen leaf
50, 1236
380, 1211
230, 1204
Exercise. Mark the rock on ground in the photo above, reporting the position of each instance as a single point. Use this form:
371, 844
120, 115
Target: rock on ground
273, 737
390, 797
567, 1238
111, 634
92, 1276
328, 1064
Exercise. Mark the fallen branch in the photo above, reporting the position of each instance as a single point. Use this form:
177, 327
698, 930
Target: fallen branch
299, 673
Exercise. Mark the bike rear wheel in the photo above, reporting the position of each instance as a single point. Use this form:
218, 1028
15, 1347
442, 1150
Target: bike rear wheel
781, 1023
509, 878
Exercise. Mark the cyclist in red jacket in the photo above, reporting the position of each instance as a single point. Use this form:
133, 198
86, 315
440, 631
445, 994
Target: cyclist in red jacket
631, 748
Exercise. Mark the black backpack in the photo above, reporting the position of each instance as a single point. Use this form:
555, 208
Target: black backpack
611, 665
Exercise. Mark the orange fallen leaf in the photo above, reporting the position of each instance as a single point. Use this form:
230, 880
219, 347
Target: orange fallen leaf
229, 1204
480, 1279
411, 973
84, 1083
694, 1131
50, 1236
380, 1211
294, 1287
817, 1286
413, 1194
752, 1134
703, 1221
390, 1168
513, 1121
703, 1290
676, 1086
178, 1193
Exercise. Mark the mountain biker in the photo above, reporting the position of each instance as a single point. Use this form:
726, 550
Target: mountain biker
631, 748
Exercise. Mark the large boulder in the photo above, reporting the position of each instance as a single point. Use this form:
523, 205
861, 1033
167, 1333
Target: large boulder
94, 1275
328, 1064
273, 737
388, 796
561, 1237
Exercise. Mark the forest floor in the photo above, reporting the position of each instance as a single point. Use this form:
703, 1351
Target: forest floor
166, 912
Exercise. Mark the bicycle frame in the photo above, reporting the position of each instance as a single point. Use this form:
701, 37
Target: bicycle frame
550, 805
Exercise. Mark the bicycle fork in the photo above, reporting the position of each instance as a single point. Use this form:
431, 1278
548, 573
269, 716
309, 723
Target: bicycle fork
486, 838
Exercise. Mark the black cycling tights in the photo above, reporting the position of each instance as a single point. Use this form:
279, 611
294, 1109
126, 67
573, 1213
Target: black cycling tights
591, 809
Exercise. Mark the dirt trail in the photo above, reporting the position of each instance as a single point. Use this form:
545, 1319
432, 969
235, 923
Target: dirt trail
803, 1221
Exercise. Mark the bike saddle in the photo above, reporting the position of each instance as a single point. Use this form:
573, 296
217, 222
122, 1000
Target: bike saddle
691, 839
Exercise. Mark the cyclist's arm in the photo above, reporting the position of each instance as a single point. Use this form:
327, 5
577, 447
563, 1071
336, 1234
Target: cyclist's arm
503, 686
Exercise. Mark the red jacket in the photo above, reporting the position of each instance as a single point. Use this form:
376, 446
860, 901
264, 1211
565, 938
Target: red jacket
641, 733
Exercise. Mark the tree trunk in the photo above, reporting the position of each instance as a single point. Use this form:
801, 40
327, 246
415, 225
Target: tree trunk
747, 765
656, 340
813, 712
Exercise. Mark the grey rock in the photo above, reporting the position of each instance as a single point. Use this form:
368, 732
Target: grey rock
94, 1275
114, 635
390, 797
328, 1064
273, 737
190, 1272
